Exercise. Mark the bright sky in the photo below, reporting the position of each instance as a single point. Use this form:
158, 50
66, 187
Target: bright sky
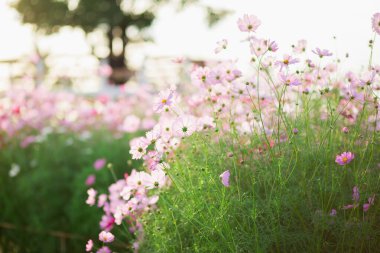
187, 34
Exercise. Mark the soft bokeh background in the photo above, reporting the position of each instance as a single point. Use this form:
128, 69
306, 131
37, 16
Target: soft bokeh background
185, 33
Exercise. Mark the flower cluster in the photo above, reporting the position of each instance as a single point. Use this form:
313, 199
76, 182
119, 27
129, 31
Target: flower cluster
30, 115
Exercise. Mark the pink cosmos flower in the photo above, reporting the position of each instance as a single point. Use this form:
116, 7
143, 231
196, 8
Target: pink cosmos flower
138, 147
333, 212
200, 76
107, 222
272, 46
249, 23
225, 177
102, 200
137, 179
322, 52
371, 201
290, 79
157, 179
91, 197
355, 194
153, 135
258, 46
221, 46
368, 78
300, 47
184, 126
376, 23
345, 130
286, 61
344, 158
104, 249
106, 237
164, 101
99, 163
90, 180
366, 207
216, 75
89, 245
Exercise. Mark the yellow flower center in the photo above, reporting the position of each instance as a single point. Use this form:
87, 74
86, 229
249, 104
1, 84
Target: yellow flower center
345, 159
164, 101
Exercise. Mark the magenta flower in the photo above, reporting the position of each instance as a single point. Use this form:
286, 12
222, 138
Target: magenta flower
366, 207
249, 23
345, 130
106, 237
355, 194
89, 245
107, 222
376, 23
225, 177
322, 52
90, 180
99, 164
344, 158
371, 201
333, 212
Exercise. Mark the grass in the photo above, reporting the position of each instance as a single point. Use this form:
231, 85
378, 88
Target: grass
48, 196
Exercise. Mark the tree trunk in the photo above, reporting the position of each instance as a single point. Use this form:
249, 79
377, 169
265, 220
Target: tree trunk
120, 72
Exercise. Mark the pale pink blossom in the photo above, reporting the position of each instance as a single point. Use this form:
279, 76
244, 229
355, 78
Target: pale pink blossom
104, 249
376, 23
184, 126
248, 23
91, 197
164, 101
289, 79
89, 245
300, 47
322, 52
156, 179
138, 147
286, 61
221, 45
106, 237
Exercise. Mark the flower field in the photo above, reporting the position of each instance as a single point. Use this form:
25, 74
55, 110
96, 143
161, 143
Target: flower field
283, 157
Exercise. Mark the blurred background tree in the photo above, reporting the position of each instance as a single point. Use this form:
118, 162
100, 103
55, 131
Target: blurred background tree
113, 17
